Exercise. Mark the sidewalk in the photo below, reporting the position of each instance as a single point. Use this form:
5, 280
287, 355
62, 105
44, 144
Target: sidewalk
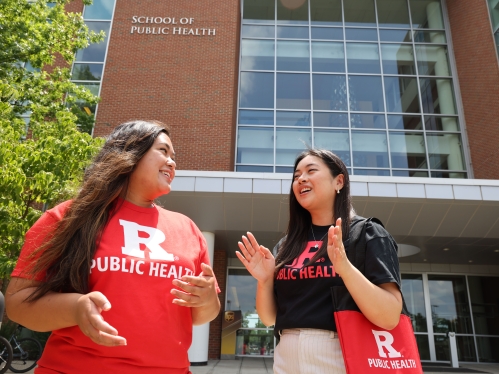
250, 365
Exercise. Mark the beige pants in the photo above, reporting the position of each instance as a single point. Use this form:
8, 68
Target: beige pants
308, 351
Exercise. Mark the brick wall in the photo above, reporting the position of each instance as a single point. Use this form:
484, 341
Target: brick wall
478, 74
220, 269
187, 81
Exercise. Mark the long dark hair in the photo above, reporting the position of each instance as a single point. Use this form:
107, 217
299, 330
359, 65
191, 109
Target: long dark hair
67, 256
300, 220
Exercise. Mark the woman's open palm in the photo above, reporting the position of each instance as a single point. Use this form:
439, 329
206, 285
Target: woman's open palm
257, 259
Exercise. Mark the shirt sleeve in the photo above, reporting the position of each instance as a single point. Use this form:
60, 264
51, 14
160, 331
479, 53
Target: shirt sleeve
36, 236
382, 264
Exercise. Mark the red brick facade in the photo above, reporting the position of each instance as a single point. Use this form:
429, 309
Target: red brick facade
220, 269
186, 81
478, 75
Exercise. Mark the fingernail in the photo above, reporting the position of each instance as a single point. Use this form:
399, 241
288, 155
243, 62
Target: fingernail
123, 343
106, 306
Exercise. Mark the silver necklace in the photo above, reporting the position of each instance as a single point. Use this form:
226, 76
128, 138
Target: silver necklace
316, 246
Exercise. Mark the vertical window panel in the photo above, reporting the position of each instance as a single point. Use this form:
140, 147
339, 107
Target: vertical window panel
329, 92
437, 96
328, 57
359, 13
259, 10
257, 54
445, 151
255, 145
293, 91
336, 141
256, 90
95, 52
99, 9
325, 12
408, 151
366, 93
426, 14
393, 13
401, 95
289, 143
370, 149
292, 11
432, 60
398, 59
293, 56
363, 58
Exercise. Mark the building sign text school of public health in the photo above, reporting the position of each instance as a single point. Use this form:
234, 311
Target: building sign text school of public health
158, 26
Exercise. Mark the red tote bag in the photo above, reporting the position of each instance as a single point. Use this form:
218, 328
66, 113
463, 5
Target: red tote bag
368, 348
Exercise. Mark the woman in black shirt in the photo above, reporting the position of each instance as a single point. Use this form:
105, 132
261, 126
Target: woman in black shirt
293, 290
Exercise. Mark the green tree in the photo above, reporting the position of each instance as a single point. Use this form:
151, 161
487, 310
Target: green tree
41, 164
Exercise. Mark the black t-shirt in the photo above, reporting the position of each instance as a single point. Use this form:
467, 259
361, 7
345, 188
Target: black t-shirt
303, 294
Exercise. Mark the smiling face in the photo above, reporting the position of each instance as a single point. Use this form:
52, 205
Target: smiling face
314, 186
153, 174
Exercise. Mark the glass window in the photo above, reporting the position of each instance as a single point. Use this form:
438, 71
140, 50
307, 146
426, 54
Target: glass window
325, 12
293, 91
255, 145
256, 117
99, 9
401, 95
92, 87
426, 14
395, 36
293, 56
255, 169
393, 13
328, 57
336, 141
368, 35
408, 150
327, 33
423, 344
368, 121
252, 31
445, 151
325, 119
415, 174
366, 94
329, 92
259, 10
437, 37
369, 149
359, 13
257, 54
95, 52
256, 90
441, 123
292, 32
437, 96
398, 122
412, 288
289, 143
484, 293
292, 11
87, 72
363, 58
292, 118
255, 340
449, 304
488, 348
494, 13
375, 172
398, 59
465, 348
432, 60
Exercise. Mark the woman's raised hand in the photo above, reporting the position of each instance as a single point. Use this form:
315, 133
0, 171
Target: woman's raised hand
257, 259
336, 250
89, 308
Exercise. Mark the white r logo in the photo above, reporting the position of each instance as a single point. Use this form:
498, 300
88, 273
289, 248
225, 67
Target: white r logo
133, 240
387, 343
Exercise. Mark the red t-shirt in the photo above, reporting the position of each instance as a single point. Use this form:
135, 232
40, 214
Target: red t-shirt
141, 251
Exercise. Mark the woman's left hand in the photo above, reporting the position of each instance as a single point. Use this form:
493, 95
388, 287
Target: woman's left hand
199, 291
336, 250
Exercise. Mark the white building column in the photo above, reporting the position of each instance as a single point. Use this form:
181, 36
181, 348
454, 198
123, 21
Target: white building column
198, 352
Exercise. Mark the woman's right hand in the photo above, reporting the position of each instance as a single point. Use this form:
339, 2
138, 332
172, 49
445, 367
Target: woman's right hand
257, 259
88, 315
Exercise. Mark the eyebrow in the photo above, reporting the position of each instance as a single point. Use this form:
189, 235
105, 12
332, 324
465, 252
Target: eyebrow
306, 166
168, 147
